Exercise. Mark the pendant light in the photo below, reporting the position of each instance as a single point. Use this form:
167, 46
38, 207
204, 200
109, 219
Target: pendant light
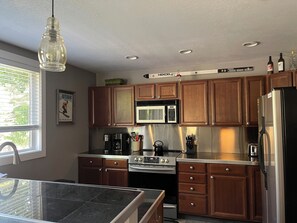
52, 51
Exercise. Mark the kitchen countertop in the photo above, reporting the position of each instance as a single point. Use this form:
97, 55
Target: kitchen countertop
200, 157
223, 158
43, 201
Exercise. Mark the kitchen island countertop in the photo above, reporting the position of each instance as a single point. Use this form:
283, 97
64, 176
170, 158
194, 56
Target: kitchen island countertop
44, 201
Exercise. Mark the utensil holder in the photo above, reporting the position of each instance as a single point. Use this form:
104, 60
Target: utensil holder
136, 146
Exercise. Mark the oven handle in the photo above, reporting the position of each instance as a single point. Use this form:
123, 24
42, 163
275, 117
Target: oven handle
152, 169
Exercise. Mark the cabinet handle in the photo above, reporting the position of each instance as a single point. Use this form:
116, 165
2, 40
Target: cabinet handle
159, 96
152, 96
227, 169
211, 177
192, 188
108, 124
192, 204
191, 178
115, 163
247, 123
91, 161
100, 169
191, 168
106, 170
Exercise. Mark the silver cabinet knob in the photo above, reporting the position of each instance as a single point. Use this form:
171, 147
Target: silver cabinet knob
191, 168
191, 178
115, 163
192, 204
91, 161
192, 188
227, 169
211, 177
100, 169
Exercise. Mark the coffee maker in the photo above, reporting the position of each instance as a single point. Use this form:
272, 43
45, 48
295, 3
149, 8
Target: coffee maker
107, 142
121, 142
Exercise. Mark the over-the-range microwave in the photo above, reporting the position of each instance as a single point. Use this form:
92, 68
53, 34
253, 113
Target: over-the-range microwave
150, 112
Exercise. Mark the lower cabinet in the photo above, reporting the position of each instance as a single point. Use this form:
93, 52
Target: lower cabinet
228, 191
157, 216
192, 188
99, 171
224, 191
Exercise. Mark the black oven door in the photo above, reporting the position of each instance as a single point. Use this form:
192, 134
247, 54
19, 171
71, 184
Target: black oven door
167, 182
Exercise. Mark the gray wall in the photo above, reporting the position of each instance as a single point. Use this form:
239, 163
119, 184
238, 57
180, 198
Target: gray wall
63, 142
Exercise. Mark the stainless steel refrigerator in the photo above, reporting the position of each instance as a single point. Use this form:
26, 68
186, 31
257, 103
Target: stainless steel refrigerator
277, 144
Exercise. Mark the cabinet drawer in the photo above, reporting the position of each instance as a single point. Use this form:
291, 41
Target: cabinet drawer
115, 163
226, 169
192, 188
192, 167
192, 204
90, 162
192, 178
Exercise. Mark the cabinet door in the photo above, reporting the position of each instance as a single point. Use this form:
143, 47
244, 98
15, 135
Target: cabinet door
194, 103
283, 79
89, 175
228, 197
116, 177
255, 194
144, 92
226, 101
166, 91
254, 87
123, 106
99, 106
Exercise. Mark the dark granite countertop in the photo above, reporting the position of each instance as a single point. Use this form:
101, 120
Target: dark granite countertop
42, 201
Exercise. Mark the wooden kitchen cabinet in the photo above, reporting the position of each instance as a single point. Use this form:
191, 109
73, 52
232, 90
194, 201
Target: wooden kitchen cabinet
282, 79
90, 170
226, 101
255, 193
99, 106
111, 106
156, 91
192, 188
194, 102
254, 87
123, 106
227, 191
115, 172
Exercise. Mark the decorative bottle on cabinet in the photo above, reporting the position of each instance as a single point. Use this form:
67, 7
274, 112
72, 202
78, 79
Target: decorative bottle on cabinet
281, 63
270, 66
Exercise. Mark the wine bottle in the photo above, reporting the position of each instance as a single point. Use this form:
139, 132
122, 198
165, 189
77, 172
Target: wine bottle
281, 63
270, 66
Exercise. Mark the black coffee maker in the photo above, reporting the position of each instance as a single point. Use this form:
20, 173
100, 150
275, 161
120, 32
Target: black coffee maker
121, 142
107, 142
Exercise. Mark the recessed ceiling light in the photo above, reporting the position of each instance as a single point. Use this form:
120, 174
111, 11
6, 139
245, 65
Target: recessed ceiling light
132, 57
185, 51
251, 44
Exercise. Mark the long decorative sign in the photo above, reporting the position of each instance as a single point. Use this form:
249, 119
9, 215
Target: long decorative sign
188, 73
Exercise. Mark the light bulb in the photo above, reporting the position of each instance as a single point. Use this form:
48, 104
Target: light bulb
52, 51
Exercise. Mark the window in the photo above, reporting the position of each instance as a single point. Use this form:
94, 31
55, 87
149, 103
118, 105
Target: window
21, 119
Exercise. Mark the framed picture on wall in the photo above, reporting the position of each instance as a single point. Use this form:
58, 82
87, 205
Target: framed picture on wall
65, 106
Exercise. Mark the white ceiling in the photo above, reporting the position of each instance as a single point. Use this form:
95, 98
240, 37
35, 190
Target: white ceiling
99, 34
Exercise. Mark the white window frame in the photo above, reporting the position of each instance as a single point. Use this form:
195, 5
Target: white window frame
15, 60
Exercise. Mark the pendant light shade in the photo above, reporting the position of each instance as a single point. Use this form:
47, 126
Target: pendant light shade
52, 53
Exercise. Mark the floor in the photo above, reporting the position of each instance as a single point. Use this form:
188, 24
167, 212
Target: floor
190, 219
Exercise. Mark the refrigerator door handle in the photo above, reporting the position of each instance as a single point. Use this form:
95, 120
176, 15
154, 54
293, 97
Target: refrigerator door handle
261, 151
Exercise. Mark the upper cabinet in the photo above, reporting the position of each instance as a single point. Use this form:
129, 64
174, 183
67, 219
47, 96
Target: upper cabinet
283, 79
99, 106
156, 91
194, 102
123, 106
226, 101
254, 87
111, 106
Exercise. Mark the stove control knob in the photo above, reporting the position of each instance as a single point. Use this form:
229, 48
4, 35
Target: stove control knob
139, 159
166, 160
135, 159
162, 160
